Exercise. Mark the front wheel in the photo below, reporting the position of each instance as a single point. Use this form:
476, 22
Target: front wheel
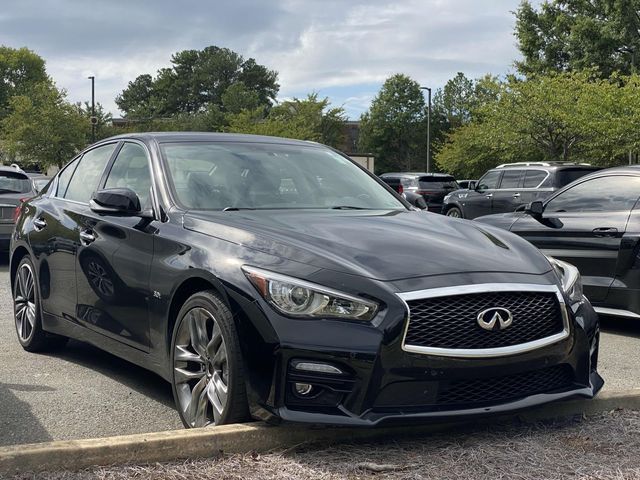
26, 311
454, 212
207, 367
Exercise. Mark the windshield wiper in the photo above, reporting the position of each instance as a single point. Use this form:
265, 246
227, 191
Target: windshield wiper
235, 209
348, 207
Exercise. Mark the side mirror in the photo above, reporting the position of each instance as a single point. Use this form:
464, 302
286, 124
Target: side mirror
415, 199
471, 186
117, 201
535, 209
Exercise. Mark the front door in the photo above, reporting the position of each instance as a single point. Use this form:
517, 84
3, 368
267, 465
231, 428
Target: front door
480, 201
584, 225
114, 258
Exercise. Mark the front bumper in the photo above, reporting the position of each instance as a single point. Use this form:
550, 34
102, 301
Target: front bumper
381, 383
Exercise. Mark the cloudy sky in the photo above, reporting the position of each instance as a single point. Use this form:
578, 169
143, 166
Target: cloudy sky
343, 49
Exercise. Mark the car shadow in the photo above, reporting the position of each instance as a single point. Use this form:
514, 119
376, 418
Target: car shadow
18, 424
136, 378
4, 261
629, 327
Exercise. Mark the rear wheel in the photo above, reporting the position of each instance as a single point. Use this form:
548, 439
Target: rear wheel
454, 212
207, 368
26, 310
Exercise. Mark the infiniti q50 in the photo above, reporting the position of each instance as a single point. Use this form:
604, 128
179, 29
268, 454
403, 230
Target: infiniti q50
276, 279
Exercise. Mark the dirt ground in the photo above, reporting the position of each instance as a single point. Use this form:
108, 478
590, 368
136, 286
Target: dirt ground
596, 447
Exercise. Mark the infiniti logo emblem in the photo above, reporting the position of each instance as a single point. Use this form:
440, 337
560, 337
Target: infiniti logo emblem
495, 318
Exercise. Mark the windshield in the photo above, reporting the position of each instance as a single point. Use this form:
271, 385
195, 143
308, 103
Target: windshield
11, 182
221, 175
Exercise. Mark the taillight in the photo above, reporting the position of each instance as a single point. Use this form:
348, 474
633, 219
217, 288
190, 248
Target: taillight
16, 212
400, 189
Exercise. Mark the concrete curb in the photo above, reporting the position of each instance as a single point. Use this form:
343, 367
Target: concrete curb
208, 442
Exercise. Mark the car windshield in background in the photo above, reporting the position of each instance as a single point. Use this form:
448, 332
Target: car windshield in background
438, 183
221, 175
11, 182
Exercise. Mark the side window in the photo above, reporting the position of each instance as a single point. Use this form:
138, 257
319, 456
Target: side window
489, 180
87, 175
533, 178
131, 170
65, 177
511, 179
612, 193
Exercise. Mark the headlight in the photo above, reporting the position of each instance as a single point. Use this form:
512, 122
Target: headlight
570, 278
297, 298
446, 198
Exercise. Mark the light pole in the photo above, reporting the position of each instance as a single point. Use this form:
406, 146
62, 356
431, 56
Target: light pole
94, 120
428, 127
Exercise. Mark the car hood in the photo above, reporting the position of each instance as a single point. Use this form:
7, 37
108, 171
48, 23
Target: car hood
377, 244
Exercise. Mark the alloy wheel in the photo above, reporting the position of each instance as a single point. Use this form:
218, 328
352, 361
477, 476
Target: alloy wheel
200, 368
24, 302
454, 212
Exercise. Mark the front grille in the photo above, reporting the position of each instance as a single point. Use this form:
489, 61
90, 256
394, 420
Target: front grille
451, 322
512, 387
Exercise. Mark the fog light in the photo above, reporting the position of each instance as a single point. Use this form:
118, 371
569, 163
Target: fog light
303, 389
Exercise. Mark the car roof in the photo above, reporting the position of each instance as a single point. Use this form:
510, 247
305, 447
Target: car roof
547, 166
416, 174
11, 169
166, 137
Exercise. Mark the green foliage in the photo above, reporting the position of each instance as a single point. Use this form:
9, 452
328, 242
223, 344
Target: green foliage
304, 119
104, 128
569, 116
394, 128
199, 80
20, 70
572, 35
42, 128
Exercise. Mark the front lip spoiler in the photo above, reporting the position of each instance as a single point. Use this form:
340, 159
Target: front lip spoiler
373, 419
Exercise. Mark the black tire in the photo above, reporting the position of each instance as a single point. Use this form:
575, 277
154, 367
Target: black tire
454, 212
27, 313
190, 396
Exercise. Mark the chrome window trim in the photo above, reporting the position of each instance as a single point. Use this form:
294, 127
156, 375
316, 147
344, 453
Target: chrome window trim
482, 288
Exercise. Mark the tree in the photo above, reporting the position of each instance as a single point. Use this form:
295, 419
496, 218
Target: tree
104, 128
556, 117
43, 128
197, 80
20, 70
394, 127
304, 119
571, 35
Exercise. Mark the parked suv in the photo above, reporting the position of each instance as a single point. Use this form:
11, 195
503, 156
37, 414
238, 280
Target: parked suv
15, 187
512, 185
432, 186
278, 279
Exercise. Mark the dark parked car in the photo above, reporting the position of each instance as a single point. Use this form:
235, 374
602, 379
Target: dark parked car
15, 187
432, 186
265, 277
594, 223
511, 186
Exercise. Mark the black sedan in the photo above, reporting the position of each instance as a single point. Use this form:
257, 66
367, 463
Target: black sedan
265, 277
594, 223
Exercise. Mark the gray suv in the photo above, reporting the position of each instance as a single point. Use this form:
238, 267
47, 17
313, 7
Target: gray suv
512, 185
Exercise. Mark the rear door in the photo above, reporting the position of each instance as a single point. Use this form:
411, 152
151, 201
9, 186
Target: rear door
584, 225
507, 198
479, 202
115, 254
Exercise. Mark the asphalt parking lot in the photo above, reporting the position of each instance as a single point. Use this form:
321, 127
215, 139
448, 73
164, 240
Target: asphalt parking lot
82, 392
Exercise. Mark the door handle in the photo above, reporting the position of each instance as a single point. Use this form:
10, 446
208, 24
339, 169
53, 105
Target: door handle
605, 232
86, 237
516, 195
489, 195
39, 224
